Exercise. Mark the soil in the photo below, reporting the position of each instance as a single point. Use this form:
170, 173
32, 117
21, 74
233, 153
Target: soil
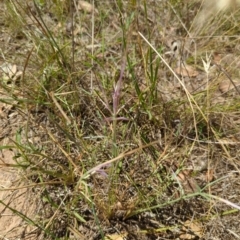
17, 202
12, 194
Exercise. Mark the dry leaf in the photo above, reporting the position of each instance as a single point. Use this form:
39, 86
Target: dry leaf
10, 72
116, 236
13, 70
193, 229
226, 85
187, 182
18, 75
86, 6
186, 71
217, 57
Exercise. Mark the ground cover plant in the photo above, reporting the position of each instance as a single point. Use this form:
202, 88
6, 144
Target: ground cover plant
119, 120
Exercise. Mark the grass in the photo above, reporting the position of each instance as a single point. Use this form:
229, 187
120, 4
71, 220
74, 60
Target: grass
111, 137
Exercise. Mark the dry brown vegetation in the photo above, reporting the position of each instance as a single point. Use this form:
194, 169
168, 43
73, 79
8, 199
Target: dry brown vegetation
119, 120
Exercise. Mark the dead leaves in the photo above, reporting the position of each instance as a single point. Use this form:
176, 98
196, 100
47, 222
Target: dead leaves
226, 85
187, 183
10, 72
86, 7
116, 236
186, 71
191, 230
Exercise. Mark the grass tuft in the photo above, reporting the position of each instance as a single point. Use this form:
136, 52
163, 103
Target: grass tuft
123, 117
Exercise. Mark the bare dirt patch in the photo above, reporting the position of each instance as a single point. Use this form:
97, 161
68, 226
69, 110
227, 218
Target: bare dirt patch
17, 202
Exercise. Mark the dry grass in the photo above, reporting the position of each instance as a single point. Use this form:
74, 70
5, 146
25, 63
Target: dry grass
128, 118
